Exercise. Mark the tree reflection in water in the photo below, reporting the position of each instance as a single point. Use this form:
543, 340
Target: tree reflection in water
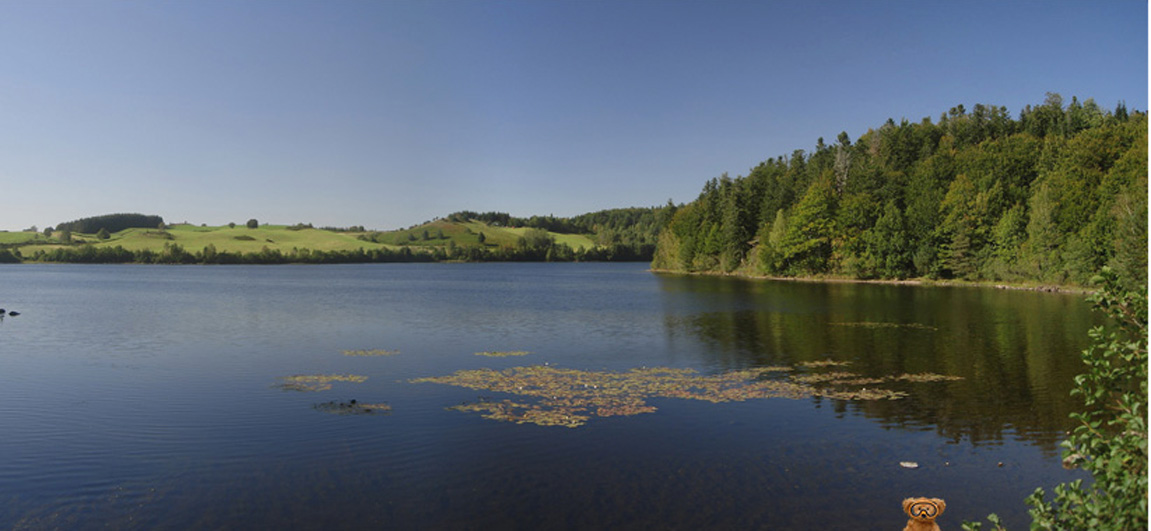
1016, 351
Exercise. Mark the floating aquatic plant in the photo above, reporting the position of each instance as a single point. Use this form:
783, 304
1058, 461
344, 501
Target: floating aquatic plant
925, 377
316, 382
827, 377
508, 411
823, 363
352, 407
884, 324
860, 381
503, 353
371, 352
570, 397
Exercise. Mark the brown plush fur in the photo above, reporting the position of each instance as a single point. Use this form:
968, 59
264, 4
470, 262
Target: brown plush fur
923, 512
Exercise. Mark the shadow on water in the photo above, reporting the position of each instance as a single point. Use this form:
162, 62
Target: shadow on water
1017, 352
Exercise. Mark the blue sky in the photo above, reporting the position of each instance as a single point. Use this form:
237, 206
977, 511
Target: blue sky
390, 113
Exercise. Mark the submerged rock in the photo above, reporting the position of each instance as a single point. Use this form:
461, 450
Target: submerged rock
352, 407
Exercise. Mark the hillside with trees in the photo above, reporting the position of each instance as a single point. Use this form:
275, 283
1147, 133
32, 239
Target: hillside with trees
611, 235
622, 234
1050, 197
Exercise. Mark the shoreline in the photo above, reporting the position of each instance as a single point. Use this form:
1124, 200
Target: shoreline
1042, 288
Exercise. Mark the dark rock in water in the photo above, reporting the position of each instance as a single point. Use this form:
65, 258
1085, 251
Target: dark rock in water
353, 408
13, 314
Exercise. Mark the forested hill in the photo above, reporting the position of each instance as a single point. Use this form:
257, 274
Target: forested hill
619, 232
629, 226
1051, 197
111, 223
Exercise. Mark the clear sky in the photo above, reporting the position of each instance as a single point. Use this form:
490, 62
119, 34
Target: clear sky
390, 113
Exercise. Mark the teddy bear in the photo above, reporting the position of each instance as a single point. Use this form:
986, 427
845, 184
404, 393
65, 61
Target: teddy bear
923, 512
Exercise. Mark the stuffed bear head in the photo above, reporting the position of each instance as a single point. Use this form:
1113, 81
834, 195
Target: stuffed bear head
923, 509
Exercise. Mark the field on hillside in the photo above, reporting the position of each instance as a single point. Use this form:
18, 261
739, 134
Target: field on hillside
10, 238
39, 240
439, 232
241, 239
193, 238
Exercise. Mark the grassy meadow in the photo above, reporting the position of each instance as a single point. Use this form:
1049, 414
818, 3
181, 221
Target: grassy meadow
468, 234
238, 239
17, 238
241, 239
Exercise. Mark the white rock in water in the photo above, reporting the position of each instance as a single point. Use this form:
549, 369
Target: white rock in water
909, 464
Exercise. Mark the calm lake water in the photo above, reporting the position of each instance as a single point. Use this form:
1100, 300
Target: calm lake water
141, 397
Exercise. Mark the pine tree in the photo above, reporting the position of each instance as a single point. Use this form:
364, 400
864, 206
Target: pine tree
888, 245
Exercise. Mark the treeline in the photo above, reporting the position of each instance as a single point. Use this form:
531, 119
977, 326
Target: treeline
531, 248
537, 245
632, 231
111, 223
627, 226
495, 219
1052, 196
550, 252
173, 253
302, 226
503, 219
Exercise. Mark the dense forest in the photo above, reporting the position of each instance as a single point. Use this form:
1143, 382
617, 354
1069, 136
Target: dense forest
110, 223
1050, 197
631, 227
635, 227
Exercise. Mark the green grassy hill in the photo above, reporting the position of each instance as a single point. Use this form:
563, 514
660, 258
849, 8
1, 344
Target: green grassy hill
439, 232
240, 239
19, 238
607, 235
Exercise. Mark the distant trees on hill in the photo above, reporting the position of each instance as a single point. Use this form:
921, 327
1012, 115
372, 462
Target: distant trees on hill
635, 229
532, 248
1052, 196
495, 219
110, 223
173, 253
632, 226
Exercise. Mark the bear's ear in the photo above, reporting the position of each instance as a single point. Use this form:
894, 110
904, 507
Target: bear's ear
940, 504
907, 504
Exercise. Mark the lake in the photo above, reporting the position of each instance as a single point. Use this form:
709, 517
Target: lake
144, 397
